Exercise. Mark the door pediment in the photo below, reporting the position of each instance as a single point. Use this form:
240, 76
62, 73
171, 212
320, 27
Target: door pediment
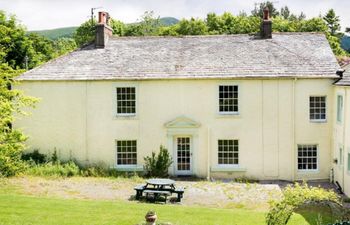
182, 122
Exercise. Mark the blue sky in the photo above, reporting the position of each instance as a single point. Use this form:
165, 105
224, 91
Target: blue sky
47, 14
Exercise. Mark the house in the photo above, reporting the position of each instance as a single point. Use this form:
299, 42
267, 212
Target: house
224, 106
341, 132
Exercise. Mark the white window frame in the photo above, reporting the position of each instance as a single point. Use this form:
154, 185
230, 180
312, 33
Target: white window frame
317, 158
116, 155
318, 120
340, 110
224, 165
218, 99
115, 102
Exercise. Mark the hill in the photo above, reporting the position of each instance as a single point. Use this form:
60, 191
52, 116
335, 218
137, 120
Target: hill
54, 34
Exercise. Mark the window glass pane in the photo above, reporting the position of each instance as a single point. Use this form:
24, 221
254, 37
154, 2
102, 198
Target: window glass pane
228, 98
307, 157
228, 152
317, 107
126, 152
126, 100
339, 108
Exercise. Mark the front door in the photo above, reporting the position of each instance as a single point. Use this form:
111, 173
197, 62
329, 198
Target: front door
183, 147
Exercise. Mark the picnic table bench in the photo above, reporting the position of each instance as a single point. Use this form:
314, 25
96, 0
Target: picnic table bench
159, 188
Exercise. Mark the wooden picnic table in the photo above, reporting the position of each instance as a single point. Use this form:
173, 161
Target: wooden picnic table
159, 187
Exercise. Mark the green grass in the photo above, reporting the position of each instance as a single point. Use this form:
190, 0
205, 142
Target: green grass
20, 209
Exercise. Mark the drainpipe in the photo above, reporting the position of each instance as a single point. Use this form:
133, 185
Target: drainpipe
344, 142
294, 133
208, 152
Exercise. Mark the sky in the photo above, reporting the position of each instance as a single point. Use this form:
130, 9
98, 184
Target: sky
48, 14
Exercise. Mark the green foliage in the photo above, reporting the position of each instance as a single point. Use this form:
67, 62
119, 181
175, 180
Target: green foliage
64, 45
85, 33
148, 26
295, 196
191, 27
118, 27
34, 156
334, 42
11, 140
158, 165
332, 21
54, 169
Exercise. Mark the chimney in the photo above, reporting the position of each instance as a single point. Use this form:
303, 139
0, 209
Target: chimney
103, 31
266, 25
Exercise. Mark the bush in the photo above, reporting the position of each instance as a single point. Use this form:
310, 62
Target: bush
34, 156
158, 165
295, 196
57, 169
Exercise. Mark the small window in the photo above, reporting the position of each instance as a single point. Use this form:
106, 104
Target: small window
341, 159
228, 99
317, 107
228, 152
126, 100
126, 152
307, 157
340, 108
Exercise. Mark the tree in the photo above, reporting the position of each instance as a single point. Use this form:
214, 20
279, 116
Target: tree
285, 13
332, 21
85, 33
149, 25
191, 27
259, 11
118, 27
11, 140
64, 45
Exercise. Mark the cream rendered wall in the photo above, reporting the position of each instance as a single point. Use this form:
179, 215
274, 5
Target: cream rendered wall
78, 118
340, 139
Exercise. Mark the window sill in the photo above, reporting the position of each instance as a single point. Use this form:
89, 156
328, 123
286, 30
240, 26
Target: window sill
227, 168
318, 121
125, 117
226, 115
129, 168
308, 171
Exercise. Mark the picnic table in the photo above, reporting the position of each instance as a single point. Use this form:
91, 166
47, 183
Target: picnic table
159, 187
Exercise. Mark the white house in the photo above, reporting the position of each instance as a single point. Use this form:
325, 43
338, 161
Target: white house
260, 106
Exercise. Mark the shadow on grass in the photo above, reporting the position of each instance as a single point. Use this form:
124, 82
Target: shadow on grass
316, 215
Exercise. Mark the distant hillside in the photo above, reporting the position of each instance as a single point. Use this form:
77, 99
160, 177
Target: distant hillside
56, 33
168, 21
69, 31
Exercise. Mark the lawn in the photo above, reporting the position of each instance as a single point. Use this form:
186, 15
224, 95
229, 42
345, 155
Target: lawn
79, 200
22, 209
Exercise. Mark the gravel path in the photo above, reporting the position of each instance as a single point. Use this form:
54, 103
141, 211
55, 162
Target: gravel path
203, 193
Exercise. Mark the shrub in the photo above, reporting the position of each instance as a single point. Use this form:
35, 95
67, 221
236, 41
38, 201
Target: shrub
158, 165
54, 169
34, 156
295, 196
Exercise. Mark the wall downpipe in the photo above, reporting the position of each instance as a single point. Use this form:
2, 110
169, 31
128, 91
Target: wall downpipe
208, 158
294, 133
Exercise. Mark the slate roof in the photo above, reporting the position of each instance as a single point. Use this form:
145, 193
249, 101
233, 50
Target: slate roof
303, 55
345, 81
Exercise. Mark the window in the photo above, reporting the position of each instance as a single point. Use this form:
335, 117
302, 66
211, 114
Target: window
341, 160
340, 108
126, 100
228, 99
307, 157
228, 152
317, 107
126, 152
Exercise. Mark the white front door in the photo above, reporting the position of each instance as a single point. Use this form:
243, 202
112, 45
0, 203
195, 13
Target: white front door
183, 155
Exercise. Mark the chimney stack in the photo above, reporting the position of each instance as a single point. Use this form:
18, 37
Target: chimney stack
266, 25
103, 30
